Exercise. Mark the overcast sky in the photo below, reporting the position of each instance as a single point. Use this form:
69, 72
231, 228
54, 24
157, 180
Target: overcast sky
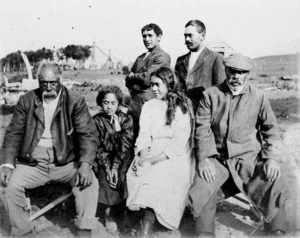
251, 27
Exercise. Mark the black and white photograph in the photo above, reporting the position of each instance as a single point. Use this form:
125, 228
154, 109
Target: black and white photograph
152, 119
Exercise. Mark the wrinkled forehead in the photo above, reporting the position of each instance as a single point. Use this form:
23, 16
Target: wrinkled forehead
49, 75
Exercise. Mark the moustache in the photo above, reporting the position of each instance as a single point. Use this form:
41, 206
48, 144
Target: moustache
50, 95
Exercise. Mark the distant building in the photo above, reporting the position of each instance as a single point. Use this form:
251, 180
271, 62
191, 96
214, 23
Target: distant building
220, 46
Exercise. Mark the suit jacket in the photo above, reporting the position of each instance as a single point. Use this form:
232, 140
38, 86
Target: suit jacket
207, 71
142, 68
73, 130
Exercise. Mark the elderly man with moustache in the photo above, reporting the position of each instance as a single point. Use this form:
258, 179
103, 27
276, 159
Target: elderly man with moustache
200, 68
138, 81
51, 137
236, 140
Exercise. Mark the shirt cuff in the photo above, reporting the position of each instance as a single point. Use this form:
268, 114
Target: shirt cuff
11, 166
87, 163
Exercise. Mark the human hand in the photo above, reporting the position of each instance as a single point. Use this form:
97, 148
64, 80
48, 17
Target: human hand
6, 174
108, 175
207, 170
84, 177
139, 165
139, 162
130, 75
114, 178
272, 170
154, 158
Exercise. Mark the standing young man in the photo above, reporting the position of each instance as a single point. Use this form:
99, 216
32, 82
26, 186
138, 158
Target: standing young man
200, 68
138, 81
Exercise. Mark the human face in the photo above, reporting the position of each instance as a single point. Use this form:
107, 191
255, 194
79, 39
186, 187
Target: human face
151, 40
193, 39
49, 84
110, 104
158, 87
236, 80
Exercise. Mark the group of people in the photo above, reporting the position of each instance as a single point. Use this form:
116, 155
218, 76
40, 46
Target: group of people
186, 134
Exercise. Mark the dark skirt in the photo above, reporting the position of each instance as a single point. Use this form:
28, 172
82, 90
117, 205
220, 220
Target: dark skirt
113, 196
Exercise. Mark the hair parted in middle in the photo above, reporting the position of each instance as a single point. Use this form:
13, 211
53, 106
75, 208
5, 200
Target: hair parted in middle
175, 98
109, 89
157, 30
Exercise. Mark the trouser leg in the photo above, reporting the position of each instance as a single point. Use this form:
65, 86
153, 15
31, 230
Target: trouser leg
205, 223
203, 197
148, 223
149, 215
278, 222
134, 110
23, 177
86, 200
269, 197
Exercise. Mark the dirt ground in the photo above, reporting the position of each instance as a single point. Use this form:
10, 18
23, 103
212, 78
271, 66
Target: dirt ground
235, 218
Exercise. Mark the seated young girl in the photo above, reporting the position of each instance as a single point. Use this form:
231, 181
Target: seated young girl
113, 152
160, 176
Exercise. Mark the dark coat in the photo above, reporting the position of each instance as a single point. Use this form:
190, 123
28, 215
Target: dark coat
142, 68
239, 133
139, 85
113, 148
73, 130
207, 71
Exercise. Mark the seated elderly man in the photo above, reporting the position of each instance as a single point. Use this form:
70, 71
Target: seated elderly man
236, 146
51, 137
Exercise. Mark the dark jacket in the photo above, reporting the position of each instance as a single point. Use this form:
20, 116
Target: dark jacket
74, 134
142, 68
207, 71
242, 133
239, 126
115, 149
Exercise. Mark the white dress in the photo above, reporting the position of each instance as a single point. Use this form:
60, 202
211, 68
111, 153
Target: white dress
163, 186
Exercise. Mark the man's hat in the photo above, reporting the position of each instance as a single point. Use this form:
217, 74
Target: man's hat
238, 62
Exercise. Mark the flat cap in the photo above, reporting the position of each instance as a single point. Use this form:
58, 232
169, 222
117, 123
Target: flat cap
238, 62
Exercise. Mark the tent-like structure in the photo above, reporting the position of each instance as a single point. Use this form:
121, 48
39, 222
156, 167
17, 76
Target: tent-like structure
218, 45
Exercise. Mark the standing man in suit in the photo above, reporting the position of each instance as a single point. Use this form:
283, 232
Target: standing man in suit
200, 68
138, 81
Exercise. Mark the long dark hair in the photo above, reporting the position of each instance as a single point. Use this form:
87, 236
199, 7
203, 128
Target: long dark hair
174, 97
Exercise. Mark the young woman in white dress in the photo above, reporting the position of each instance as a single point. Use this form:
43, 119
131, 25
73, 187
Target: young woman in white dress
160, 176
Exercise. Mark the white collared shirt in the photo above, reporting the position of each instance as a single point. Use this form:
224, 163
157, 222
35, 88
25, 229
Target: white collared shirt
146, 55
49, 109
193, 57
